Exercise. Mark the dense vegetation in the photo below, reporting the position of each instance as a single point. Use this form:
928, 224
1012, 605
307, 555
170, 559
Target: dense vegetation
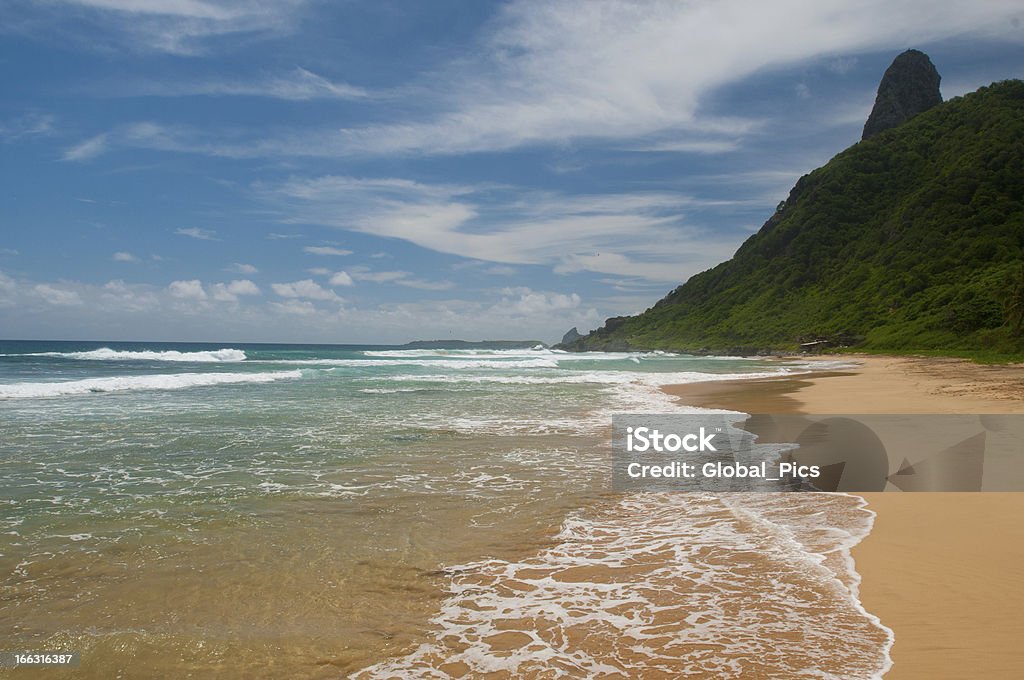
910, 240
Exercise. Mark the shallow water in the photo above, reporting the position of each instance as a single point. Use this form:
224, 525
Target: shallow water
298, 511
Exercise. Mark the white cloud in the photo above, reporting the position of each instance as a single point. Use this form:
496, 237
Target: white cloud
242, 268
326, 250
30, 125
196, 233
297, 85
38, 308
125, 298
526, 302
559, 71
122, 256
220, 293
421, 284
59, 296
641, 234
364, 274
230, 292
295, 308
182, 27
187, 290
398, 277
616, 263
7, 284
698, 146
341, 279
842, 65
243, 287
306, 289
190, 9
86, 150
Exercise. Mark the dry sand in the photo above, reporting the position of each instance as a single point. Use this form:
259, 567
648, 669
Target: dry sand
945, 571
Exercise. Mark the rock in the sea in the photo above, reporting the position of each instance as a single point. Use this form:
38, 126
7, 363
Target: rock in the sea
572, 336
910, 85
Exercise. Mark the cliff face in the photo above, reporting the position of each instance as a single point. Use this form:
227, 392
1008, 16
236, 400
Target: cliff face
910, 86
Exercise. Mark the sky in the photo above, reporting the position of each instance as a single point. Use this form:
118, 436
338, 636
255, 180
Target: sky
342, 171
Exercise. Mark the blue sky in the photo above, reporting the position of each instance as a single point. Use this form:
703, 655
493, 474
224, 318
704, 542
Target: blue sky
347, 171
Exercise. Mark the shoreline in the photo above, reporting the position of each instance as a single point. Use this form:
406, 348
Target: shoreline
941, 570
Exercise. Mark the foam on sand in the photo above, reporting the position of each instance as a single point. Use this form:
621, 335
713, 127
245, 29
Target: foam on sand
666, 585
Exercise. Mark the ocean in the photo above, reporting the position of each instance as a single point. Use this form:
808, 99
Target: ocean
300, 511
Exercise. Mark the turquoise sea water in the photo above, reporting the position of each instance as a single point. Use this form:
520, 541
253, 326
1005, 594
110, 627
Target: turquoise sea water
302, 511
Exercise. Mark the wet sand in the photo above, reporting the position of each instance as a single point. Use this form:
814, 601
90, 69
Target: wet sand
942, 570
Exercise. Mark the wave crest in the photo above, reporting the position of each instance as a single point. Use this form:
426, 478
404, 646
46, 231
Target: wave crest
174, 381
108, 354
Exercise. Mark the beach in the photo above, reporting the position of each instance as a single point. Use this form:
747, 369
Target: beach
420, 512
941, 570
314, 511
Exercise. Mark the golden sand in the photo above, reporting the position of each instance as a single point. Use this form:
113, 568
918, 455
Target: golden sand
943, 570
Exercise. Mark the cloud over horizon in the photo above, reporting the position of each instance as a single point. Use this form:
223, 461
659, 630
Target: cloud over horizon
233, 166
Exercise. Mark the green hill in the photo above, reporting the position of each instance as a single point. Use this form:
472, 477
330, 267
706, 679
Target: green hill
909, 240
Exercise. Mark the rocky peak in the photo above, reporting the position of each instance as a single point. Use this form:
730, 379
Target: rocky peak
910, 85
572, 336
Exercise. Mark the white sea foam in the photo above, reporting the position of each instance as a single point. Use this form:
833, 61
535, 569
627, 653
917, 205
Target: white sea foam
560, 355
107, 354
458, 364
396, 390
663, 585
650, 380
174, 381
679, 583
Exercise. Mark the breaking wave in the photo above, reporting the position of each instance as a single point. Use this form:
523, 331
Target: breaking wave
175, 381
107, 354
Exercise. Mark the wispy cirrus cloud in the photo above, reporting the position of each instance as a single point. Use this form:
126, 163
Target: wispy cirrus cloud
198, 234
182, 27
642, 234
560, 71
26, 126
297, 85
87, 149
553, 71
398, 278
326, 250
